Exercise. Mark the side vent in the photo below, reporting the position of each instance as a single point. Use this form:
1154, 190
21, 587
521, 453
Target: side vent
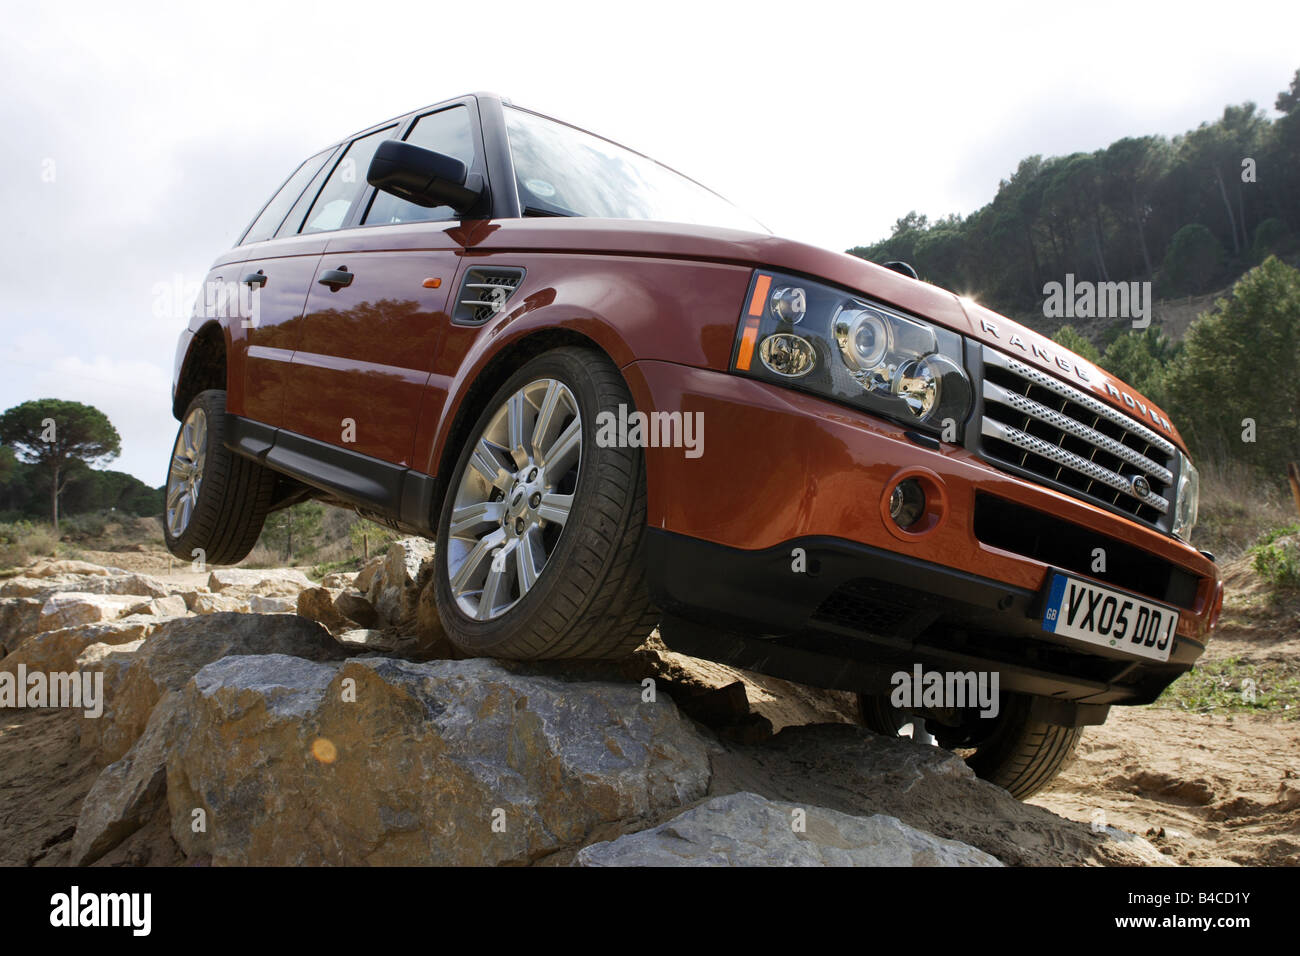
484, 293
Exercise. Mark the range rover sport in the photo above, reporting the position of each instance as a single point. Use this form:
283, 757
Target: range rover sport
435, 317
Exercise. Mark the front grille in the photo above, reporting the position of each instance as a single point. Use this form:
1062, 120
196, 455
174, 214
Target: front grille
1037, 426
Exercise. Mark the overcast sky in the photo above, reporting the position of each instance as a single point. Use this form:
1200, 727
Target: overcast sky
141, 138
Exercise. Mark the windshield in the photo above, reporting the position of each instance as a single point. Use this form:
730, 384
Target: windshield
562, 171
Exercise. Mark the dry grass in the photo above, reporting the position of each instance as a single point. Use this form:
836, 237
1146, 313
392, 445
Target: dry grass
1237, 507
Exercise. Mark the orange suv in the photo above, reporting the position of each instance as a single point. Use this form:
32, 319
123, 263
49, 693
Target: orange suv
616, 401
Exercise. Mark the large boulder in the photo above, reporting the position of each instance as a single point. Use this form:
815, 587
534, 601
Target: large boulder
317, 604
19, 619
262, 604
381, 761
128, 792
57, 651
395, 589
270, 582
68, 609
744, 829
178, 649
111, 660
354, 607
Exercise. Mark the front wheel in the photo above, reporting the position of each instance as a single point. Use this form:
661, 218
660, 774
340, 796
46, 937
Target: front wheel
1013, 750
215, 501
539, 549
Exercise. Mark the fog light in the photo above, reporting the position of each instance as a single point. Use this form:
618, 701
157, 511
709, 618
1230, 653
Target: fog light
907, 503
789, 304
787, 355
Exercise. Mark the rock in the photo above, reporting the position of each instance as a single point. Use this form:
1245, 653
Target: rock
57, 651
19, 619
111, 660
769, 703
431, 641
367, 573
178, 649
355, 608
120, 583
271, 582
173, 605
338, 580
857, 772
50, 569
369, 639
395, 589
72, 608
205, 603
744, 829
23, 586
260, 604
317, 604
382, 761
128, 792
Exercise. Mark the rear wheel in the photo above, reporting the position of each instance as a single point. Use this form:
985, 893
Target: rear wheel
539, 551
216, 501
1013, 750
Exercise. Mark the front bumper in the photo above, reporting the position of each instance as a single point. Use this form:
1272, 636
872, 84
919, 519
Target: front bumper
782, 470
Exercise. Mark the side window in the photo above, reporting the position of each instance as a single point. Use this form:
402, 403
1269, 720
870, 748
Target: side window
448, 132
293, 222
265, 225
345, 185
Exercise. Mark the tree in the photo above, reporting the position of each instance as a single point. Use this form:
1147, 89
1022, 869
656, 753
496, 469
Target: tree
1140, 359
60, 437
1193, 262
293, 531
1234, 386
1067, 335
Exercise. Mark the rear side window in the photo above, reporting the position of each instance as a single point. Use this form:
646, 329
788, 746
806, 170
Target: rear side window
265, 225
293, 222
448, 132
345, 184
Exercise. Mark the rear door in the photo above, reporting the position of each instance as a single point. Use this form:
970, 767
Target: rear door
377, 309
273, 269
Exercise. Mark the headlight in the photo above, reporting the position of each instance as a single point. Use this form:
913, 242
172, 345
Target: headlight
1187, 499
839, 345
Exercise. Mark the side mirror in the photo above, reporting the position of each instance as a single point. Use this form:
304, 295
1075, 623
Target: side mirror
423, 177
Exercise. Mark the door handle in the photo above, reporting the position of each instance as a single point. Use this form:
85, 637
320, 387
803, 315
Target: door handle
257, 278
336, 278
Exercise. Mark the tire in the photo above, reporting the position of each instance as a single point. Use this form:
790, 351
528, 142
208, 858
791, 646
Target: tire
1018, 753
221, 513
569, 585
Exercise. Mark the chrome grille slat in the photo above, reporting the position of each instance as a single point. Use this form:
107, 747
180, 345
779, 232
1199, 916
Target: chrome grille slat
1098, 408
996, 393
1026, 442
1046, 430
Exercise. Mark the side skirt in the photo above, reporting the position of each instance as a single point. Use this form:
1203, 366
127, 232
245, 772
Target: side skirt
401, 496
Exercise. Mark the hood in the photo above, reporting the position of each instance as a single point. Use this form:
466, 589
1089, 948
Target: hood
673, 240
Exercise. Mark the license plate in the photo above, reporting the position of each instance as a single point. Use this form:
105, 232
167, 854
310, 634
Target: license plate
1090, 612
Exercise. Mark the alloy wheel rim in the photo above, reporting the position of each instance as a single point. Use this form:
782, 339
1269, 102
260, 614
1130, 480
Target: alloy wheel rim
185, 476
514, 498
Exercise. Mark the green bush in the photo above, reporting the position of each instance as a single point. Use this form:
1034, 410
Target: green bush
21, 541
1269, 236
1277, 558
